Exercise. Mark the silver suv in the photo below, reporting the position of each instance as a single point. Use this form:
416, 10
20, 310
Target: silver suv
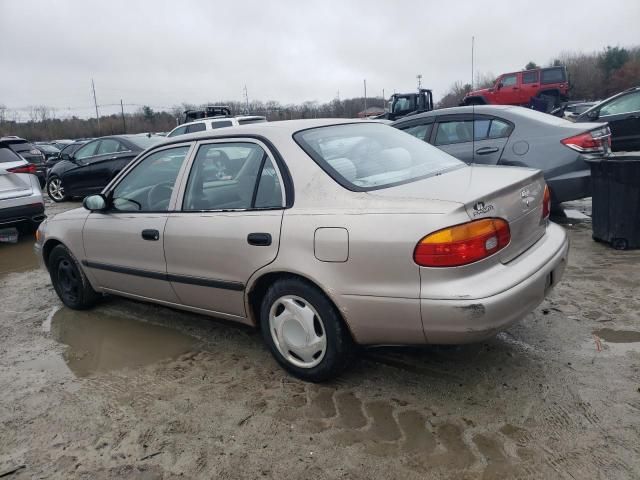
215, 122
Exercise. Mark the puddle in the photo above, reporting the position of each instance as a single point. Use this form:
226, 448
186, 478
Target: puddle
618, 336
99, 341
18, 257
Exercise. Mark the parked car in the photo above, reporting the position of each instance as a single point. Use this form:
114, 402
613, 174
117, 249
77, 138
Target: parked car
60, 144
520, 88
330, 233
622, 113
516, 136
94, 164
21, 202
49, 151
64, 154
29, 152
213, 123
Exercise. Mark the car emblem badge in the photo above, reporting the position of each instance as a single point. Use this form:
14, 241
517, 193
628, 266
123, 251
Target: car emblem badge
480, 208
525, 194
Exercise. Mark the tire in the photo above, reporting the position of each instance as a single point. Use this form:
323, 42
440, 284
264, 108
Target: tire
69, 281
55, 190
304, 331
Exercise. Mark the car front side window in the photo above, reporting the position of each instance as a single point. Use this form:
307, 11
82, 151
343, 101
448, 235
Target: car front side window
87, 151
625, 104
422, 131
231, 176
178, 131
509, 80
149, 185
108, 145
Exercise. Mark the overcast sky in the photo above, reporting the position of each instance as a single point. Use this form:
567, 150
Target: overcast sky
162, 53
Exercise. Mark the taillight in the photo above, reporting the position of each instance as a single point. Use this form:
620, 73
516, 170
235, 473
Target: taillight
462, 244
589, 142
546, 203
30, 168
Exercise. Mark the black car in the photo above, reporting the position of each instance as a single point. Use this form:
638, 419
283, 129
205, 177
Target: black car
92, 166
622, 112
49, 151
66, 152
29, 152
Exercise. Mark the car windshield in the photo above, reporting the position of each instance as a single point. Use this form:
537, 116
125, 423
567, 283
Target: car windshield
145, 141
370, 156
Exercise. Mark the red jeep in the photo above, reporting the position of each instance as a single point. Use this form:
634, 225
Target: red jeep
546, 86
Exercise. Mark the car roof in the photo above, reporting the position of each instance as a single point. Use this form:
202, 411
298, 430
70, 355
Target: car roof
486, 109
283, 127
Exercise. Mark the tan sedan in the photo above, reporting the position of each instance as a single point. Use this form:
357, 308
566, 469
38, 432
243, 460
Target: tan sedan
323, 233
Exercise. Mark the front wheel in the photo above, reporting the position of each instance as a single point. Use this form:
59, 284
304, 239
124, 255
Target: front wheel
55, 190
69, 281
304, 330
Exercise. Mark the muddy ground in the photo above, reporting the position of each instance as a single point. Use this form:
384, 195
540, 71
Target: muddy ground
130, 390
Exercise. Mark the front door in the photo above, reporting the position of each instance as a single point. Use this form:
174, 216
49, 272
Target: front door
623, 116
124, 245
228, 228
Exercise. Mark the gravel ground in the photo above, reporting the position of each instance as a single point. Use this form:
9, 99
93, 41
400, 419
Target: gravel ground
131, 390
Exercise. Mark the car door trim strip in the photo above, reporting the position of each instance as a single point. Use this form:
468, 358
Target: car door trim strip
169, 277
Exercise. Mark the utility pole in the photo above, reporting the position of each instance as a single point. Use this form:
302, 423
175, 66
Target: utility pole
124, 124
473, 41
365, 95
246, 98
95, 102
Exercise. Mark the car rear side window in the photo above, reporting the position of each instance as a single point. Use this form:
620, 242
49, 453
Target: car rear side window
369, 156
149, 186
221, 124
530, 77
196, 127
232, 176
8, 155
552, 75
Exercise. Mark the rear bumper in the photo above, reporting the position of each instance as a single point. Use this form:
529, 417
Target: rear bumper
570, 186
454, 321
33, 214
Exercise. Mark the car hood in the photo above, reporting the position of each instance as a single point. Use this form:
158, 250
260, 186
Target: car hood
482, 91
75, 214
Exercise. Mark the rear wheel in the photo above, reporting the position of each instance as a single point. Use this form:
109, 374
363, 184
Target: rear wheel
69, 281
55, 190
304, 331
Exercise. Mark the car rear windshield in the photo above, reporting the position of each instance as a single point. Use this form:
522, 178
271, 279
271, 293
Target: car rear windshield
370, 156
7, 155
21, 146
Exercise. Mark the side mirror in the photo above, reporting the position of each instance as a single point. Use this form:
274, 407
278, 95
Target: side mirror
64, 156
499, 86
95, 203
593, 114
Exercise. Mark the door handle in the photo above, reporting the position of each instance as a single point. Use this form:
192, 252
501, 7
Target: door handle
151, 234
259, 239
486, 150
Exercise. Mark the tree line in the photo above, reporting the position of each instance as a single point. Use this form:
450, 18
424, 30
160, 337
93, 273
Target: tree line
592, 76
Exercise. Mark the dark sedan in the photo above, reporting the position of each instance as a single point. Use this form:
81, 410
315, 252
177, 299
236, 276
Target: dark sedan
622, 113
91, 167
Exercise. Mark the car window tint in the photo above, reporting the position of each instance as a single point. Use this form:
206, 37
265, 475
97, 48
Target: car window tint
552, 75
481, 129
624, 104
221, 124
402, 104
108, 145
223, 177
148, 187
499, 129
86, 151
178, 131
457, 131
269, 194
196, 127
530, 77
419, 131
8, 155
509, 80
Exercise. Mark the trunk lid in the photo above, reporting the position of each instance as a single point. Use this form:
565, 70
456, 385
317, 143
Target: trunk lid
13, 185
512, 193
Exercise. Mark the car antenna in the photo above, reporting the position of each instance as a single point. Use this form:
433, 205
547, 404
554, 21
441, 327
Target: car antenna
473, 110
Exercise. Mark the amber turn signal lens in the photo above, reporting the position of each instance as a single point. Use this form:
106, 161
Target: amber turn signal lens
463, 244
546, 203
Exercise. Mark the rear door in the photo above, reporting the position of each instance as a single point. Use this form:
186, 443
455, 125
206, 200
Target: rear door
472, 138
530, 86
228, 226
623, 116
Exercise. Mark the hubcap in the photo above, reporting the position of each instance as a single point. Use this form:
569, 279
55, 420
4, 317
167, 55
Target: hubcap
68, 281
56, 190
297, 331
